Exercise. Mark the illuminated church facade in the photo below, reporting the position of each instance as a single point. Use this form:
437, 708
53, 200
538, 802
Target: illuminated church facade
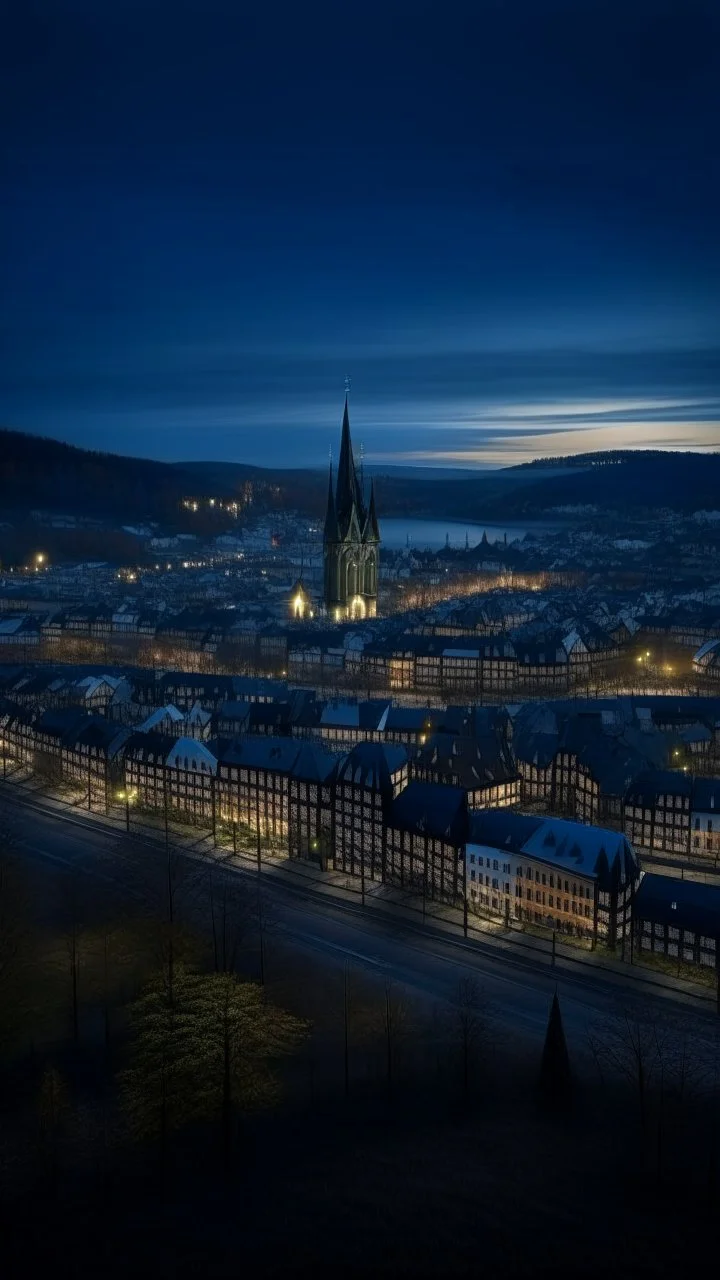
351, 541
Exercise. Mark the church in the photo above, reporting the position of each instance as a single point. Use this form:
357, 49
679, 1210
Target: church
351, 541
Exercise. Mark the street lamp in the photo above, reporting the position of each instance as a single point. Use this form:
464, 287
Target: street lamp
129, 796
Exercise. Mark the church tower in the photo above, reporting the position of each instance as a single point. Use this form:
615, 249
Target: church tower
351, 540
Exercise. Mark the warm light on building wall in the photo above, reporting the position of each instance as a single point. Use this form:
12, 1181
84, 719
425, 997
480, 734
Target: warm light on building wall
357, 607
298, 605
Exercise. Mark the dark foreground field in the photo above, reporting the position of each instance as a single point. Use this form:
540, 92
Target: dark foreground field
425, 1148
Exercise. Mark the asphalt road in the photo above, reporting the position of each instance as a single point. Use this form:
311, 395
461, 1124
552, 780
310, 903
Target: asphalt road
520, 986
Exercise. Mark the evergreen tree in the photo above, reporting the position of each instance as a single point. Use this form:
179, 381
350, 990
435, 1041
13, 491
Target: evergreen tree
555, 1083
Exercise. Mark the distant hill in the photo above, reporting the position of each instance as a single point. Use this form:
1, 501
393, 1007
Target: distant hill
623, 480
37, 472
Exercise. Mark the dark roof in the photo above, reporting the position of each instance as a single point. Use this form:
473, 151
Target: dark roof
276, 755
687, 904
706, 794
433, 809
99, 732
273, 715
151, 746
61, 721
501, 829
370, 764
234, 710
408, 719
644, 789
473, 763
313, 764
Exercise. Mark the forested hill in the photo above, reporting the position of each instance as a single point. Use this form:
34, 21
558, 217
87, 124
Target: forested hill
36, 472
623, 480
39, 472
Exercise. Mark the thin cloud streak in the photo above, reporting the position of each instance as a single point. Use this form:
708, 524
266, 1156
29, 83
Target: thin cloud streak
494, 451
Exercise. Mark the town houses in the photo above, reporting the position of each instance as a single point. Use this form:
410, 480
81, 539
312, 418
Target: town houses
534, 813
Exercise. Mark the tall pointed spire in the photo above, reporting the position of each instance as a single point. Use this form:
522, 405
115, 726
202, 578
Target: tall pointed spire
348, 494
371, 532
331, 528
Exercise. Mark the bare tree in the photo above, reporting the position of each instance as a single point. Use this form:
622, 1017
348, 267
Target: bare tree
396, 1023
469, 1023
664, 1056
52, 1111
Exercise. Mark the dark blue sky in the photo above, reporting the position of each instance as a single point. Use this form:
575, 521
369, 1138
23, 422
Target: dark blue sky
501, 219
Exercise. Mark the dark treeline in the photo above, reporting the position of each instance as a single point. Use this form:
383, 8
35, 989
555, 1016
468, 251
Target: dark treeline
180, 1088
36, 472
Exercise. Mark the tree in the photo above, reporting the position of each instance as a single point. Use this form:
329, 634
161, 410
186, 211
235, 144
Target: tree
17, 938
555, 1083
157, 1089
52, 1110
203, 1049
230, 919
469, 1020
241, 1036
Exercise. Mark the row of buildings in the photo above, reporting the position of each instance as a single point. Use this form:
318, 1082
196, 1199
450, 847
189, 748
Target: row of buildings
643, 763
410, 820
365, 812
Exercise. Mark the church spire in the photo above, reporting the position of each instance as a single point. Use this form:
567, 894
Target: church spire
331, 527
371, 532
348, 495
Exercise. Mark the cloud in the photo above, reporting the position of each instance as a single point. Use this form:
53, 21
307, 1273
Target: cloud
493, 450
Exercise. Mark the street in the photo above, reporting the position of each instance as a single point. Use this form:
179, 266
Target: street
518, 982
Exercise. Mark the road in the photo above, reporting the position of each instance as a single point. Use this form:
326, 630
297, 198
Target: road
519, 984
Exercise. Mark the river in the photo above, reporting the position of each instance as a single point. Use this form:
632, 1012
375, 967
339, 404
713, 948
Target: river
397, 533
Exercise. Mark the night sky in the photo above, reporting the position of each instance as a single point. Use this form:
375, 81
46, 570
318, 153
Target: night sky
500, 219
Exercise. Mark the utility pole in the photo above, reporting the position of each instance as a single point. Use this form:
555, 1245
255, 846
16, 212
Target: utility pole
465, 903
261, 926
346, 1026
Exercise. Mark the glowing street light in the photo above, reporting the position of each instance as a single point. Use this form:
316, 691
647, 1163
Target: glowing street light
129, 796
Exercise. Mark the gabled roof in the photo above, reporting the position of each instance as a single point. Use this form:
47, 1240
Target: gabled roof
312, 764
371, 764
686, 904
473, 763
433, 809
604, 855
104, 735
